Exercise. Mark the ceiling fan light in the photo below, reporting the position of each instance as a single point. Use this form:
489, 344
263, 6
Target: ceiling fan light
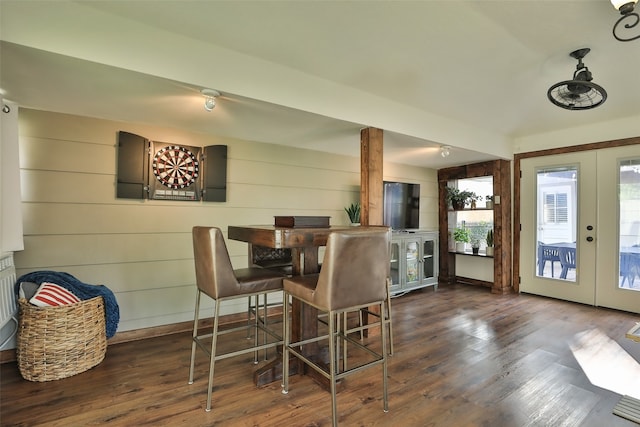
580, 93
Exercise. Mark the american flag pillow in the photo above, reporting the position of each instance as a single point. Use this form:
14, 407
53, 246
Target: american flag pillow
51, 295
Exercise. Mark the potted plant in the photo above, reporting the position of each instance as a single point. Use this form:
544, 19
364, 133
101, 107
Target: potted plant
353, 211
489, 201
489, 240
459, 198
473, 199
475, 245
461, 237
477, 236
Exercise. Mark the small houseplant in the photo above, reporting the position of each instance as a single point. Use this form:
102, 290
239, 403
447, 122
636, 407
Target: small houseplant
473, 199
475, 245
353, 212
489, 240
477, 234
459, 198
462, 237
489, 201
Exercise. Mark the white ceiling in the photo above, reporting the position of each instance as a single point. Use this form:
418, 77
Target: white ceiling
471, 74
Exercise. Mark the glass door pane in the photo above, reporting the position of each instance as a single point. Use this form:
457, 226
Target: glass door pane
629, 224
428, 261
411, 255
556, 222
395, 266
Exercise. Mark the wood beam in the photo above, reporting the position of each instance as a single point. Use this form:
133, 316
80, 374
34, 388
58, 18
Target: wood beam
371, 144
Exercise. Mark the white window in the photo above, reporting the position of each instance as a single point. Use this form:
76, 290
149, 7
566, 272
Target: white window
556, 208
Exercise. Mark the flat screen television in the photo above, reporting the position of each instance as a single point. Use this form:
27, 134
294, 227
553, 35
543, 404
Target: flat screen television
401, 205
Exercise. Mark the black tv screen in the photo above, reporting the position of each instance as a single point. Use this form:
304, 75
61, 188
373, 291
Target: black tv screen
401, 205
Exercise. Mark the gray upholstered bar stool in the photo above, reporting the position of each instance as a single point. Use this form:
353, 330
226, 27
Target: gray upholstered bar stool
353, 276
216, 278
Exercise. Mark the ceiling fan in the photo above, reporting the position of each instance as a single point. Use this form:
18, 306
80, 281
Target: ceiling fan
580, 93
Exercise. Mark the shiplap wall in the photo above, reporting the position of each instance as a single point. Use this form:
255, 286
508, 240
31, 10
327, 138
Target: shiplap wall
142, 250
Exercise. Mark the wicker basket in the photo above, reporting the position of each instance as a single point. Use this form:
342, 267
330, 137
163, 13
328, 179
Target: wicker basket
58, 342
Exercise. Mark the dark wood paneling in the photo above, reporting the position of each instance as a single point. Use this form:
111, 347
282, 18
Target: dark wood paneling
501, 172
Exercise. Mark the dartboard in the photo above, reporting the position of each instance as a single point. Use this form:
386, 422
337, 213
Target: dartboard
175, 167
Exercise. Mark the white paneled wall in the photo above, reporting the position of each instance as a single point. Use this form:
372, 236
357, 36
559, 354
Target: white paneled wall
142, 249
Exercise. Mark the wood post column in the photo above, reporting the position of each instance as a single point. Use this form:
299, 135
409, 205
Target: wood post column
371, 203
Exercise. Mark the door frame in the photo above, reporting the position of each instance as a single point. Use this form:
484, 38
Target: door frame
517, 174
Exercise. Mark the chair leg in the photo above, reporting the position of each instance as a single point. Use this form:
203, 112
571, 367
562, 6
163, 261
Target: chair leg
264, 322
343, 329
385, 394
333, 365
212, 361
563, 273
253, 309
285, 343
389, 322
193, 337
249, 311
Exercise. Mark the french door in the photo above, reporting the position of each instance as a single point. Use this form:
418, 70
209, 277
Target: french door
580, 219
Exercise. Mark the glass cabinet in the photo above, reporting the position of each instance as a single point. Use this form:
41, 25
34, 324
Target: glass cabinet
414, 260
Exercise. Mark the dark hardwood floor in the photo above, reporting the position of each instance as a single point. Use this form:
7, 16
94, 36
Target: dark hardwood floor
463, 357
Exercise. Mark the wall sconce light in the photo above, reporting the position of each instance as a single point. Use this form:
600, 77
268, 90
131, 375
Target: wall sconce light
626, 10
445, 150
210, 96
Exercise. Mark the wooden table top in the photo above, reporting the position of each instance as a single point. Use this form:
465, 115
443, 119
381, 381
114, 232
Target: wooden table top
282, 237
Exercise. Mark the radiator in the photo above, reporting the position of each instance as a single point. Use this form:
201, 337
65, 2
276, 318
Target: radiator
8, 307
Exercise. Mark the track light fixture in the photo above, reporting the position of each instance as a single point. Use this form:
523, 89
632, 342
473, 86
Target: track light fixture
210, 96
445, 150
629, 16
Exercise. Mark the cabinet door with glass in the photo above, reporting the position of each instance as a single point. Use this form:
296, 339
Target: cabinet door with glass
414, 261
413, 257
396, 271
430, 260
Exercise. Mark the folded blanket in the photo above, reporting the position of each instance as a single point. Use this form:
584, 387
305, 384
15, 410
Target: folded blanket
82, 290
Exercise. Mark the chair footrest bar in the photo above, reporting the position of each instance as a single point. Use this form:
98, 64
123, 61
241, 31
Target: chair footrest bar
237, 352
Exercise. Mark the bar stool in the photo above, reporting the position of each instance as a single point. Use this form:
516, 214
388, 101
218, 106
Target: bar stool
216, 278
353, 277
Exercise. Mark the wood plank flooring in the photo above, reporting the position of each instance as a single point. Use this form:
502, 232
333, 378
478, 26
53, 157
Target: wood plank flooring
463, 357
